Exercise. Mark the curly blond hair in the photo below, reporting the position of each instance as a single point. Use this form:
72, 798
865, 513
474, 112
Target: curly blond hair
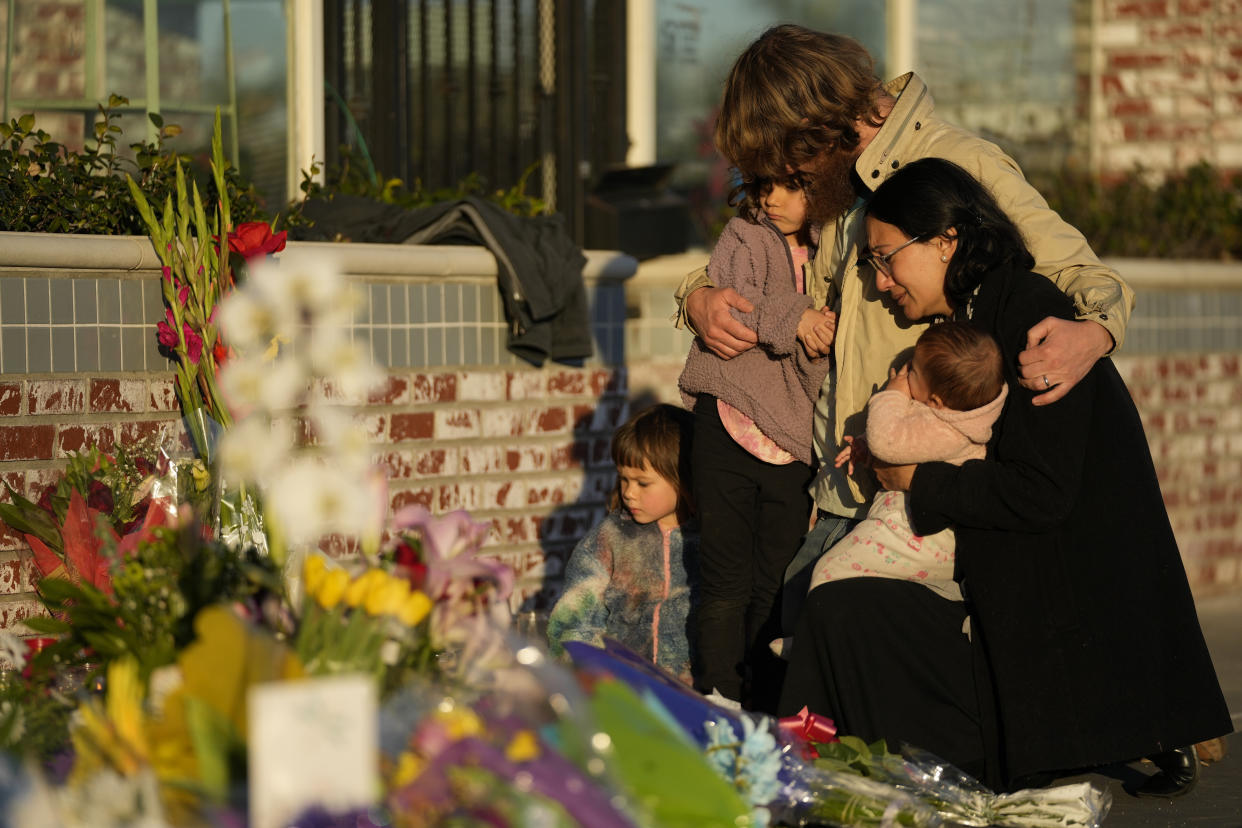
792, 95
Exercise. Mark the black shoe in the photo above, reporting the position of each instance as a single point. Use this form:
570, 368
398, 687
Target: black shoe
1178, 771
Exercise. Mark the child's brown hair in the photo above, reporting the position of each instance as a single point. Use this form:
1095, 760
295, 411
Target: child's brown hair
961, 365
747, 196
660, 436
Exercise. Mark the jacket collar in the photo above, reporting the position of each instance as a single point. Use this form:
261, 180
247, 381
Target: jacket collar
890, 147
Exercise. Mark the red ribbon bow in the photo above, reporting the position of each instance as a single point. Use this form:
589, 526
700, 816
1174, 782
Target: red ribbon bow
808, 727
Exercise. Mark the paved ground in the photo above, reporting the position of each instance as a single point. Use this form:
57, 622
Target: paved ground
1217, 800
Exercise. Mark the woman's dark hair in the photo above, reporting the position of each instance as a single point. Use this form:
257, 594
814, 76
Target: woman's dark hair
660, 436
933, 197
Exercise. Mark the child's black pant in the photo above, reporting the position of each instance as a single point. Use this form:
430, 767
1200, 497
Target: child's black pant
752, 516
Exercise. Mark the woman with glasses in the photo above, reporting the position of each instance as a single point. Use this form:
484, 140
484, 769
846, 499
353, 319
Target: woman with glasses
1077, 644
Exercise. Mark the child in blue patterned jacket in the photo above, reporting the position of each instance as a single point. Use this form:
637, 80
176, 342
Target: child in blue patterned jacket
630, 578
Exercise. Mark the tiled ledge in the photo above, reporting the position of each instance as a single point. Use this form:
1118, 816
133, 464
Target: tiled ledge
72, 303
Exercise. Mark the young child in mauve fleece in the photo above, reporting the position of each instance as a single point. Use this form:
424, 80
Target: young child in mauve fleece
752, 449
630, 577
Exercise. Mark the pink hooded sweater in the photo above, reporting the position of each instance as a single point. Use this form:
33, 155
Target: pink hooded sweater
774, 383
901, 430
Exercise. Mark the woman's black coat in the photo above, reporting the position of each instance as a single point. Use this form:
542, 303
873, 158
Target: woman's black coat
1073, 578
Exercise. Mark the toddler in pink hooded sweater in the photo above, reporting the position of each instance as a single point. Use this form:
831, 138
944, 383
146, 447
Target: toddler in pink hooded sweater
940, 406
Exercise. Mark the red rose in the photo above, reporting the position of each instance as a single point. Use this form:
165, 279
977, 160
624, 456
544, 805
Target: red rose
99, 496
255, 238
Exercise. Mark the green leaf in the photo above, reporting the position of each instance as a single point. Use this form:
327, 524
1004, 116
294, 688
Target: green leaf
26, 122
156, 119
30, 519
645, 754
214, 737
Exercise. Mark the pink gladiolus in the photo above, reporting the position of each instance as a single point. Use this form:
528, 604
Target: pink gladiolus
183, 295
193, 343
165, 333
167, 271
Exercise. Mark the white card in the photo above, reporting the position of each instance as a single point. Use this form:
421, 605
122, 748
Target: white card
313, 742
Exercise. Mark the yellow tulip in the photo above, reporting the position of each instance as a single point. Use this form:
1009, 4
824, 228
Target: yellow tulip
460, 723
333, 588
314, 570
409, 768
414, 608
363, 585
386, 599
523, 747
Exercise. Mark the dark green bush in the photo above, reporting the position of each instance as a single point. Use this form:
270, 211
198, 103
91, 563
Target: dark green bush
47, 187
1195, 215
355, 177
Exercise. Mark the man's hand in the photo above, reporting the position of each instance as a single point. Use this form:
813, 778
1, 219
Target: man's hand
708, 310
1059, 353
894, 478
816, 331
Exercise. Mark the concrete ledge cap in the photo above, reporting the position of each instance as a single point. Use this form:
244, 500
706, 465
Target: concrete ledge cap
131, 253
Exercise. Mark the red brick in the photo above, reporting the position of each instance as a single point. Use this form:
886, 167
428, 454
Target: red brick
1145, 9
482, 386
567, 384
162, 395
526, 385
170, 433
396, 465
14, 613
1137, 60
1190, 8
431, 463
412, 426
433, 388
553, 420
459, 423
27, 442
1131, 107
459, 496
111, 395
55, 397
421, 496
394, 391
78, 437
10, 399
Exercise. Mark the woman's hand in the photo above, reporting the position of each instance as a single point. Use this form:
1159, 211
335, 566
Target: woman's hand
816, 331
855, 453
722, 334
1059, 353
894, 478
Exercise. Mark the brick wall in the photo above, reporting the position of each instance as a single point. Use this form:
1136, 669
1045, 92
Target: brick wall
526, 449
1164, 83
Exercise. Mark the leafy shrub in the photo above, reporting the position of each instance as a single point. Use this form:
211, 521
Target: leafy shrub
358, 178
47, 187
1195, 215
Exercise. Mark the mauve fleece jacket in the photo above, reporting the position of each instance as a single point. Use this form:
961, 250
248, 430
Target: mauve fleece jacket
774, 383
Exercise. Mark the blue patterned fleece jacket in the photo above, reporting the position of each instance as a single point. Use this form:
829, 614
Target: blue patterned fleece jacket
630, 582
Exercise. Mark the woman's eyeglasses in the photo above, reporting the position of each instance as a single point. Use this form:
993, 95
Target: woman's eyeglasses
880, 263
